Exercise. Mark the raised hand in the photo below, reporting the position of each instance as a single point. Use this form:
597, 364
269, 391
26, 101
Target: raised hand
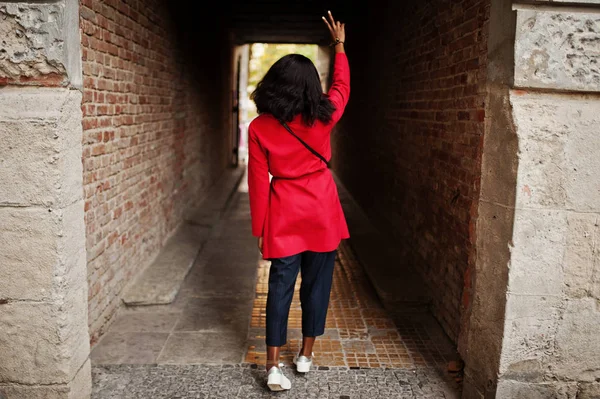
336, 28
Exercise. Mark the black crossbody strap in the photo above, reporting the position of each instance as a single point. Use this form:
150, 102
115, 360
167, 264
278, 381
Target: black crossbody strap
309, 148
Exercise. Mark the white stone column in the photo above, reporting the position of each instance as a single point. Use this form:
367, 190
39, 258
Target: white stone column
551, 344
534, 327
44, 340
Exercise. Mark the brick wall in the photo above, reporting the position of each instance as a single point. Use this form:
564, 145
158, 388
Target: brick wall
154, 138
415, 121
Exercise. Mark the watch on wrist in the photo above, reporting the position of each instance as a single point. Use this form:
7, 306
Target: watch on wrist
337, 41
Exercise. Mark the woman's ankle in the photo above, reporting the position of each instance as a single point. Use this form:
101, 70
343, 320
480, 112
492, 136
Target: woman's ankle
272, 356
307, 346
304, 352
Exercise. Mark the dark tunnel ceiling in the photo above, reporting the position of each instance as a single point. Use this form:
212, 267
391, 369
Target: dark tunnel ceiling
283, 21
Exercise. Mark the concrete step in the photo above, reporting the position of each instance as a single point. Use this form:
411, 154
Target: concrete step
160, 282
213, 206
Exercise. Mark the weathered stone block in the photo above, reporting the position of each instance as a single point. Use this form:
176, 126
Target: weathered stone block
558, 165
517, 390
558, 50
578, 341
79, 388
41, 43
45, 341
536, 265
32, 350
580, 266
33, 40
589, 391
520, 307
528, 333
42, 253
31, 103
29, 152
28, 252
40, 147
59, 391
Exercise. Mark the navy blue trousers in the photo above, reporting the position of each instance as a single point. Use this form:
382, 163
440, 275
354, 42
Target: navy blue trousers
317, 274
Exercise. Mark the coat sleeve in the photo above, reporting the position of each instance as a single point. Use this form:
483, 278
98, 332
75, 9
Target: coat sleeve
258, 183
339, 92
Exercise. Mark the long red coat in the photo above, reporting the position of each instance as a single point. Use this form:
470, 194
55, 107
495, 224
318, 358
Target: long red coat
299, 210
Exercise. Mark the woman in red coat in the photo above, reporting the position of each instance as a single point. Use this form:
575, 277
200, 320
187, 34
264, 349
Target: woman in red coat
297, 216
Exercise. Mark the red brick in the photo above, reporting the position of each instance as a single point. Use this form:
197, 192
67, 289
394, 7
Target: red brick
425, 117
132, 151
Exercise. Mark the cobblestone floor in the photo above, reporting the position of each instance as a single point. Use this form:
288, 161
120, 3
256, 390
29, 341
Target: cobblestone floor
247, 381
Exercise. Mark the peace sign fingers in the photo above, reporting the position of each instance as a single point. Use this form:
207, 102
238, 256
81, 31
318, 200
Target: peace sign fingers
336, 28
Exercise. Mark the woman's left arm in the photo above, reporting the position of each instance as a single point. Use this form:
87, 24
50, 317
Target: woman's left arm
339, 91
258, 183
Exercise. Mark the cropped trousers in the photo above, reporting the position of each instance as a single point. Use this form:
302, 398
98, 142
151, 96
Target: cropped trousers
317, 274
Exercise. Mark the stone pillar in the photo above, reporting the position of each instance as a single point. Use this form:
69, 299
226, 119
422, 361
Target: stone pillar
44, 340
535, 331
480, 343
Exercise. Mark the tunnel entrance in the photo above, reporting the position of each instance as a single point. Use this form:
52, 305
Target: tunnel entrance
407, 151
408, 148
393, 151
471, 156
253, 62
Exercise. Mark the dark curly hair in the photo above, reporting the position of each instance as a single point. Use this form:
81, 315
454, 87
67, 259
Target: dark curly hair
292, 86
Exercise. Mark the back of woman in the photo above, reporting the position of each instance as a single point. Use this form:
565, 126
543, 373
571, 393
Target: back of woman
297, 215
300, 210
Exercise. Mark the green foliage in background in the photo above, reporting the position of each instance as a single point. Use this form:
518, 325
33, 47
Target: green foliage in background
263, 55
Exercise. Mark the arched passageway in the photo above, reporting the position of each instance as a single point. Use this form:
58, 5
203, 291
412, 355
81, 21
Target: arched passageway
408, 151
465, 165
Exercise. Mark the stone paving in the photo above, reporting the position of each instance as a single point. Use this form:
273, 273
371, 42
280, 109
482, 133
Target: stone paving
209, 343
208, 320
247, 381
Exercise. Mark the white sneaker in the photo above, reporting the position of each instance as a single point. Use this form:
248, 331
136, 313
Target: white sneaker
276, 381
303, 363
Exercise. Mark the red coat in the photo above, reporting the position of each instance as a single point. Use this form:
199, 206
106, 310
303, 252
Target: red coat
302, 210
